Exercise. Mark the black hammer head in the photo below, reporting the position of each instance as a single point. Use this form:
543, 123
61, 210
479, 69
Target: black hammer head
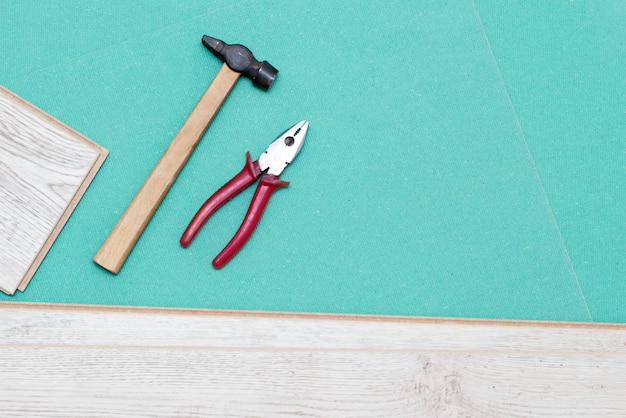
240, 59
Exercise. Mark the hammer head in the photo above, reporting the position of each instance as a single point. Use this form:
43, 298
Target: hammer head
240, 59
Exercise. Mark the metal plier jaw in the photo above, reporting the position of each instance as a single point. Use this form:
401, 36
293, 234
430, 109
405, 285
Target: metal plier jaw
272, 162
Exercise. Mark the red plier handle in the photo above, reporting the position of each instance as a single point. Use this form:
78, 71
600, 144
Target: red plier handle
250, 172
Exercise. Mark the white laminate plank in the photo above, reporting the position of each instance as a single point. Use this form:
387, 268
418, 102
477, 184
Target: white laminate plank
172, 382
88, 361
44, 169
166, 382
146, 327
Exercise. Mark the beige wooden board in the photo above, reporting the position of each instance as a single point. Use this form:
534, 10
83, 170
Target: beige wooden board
45, 167
110, 361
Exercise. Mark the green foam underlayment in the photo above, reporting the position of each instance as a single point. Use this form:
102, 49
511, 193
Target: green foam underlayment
564, 65
414, 193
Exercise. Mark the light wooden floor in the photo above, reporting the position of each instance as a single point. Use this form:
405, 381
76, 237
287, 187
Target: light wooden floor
70, 361
45, 168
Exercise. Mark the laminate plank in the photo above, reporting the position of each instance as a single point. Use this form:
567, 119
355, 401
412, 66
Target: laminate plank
45, 167
46, 324
117, 361
99, 382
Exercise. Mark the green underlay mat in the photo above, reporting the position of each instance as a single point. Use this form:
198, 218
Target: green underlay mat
566, 77
414, 194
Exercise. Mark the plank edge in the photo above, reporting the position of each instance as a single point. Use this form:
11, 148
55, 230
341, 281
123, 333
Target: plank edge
311, 315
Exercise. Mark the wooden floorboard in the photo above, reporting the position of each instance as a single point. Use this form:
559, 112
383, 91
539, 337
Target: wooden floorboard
113, 361
45, 168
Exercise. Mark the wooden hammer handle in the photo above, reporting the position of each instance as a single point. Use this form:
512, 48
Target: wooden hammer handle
129, 227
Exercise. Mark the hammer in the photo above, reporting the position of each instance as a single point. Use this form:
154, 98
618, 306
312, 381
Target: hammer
238, 60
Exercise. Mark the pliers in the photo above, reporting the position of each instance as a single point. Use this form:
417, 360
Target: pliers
273, 161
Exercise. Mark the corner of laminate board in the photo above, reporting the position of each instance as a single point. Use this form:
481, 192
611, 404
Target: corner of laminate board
100, 154
99, 149
7, 291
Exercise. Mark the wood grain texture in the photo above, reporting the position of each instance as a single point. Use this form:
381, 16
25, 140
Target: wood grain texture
45, 167
118, 245
113, 361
